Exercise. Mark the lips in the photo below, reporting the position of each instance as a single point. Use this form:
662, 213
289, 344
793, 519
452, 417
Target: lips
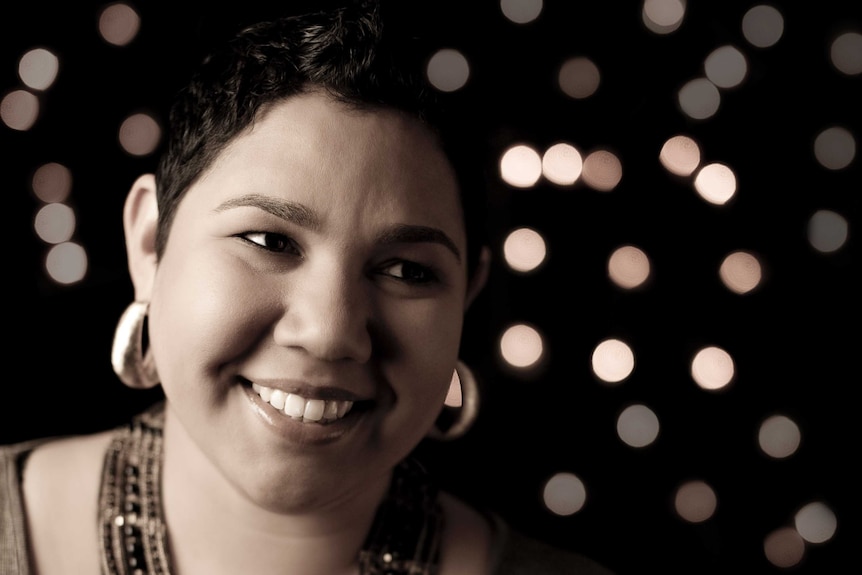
306, 410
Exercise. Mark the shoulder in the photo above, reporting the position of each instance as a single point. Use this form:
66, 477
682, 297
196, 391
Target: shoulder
60, 486
466, 539
519, 554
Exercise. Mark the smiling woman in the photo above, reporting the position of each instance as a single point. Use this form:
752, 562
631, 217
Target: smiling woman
302, 261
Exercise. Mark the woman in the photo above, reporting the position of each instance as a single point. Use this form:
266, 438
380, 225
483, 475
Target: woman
302, 260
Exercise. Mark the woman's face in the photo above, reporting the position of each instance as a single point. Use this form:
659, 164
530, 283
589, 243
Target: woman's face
317, 267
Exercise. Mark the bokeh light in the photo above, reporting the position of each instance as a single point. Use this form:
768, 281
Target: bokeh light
663, 16
564, 494
827, 231
522, 346
816, 522
524, 250
579, 77
521, 166
637, 426
726, 67
629, 267
784, 547
712, 368
602, 170
66, 263
52, 182
55, 223
835, 148
521, 11
680, 155
612, 361
741, 271
763, 26
562, 164
140, 134
38, 68
119, 24
699, 99
19, 110
778, 436
695, 501
448, 70
845, 53
715, 183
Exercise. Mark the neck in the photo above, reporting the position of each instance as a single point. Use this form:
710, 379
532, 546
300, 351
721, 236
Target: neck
213, 527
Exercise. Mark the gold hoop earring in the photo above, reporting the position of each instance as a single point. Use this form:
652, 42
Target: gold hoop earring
458, 418
133, 365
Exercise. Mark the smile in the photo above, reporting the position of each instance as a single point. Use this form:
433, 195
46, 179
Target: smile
302, 409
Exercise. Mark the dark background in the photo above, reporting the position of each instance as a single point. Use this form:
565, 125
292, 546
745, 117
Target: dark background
794, 340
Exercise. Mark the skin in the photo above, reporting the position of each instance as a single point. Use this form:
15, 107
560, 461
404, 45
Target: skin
323, 253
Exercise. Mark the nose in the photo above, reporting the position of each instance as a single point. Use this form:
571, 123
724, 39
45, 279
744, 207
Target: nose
327, 314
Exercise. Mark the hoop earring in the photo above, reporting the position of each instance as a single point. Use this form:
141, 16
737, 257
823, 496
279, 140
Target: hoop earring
133, 365
458, 419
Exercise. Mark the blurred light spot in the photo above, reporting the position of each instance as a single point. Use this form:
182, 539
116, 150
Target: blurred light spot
784, 547
521, 11
119, 24
628, 267
834, 148
524, 250
712, 368
695, 501
846, 53
55, 223
448, 70
38, 68
613, 361
579, 77
602, 170
52, 182
663, 16
680, 155
740, 272
778, 436
726, 67
637, 426
564, 494
699, 99
66, 263
562, 164
19, 110
521, 345
521, 166
827, 231
715, 183
140, 134
763, 26
815, 522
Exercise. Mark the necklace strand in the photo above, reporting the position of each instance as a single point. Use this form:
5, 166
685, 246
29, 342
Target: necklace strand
404, 538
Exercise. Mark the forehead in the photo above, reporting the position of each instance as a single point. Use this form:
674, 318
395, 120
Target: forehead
369, 164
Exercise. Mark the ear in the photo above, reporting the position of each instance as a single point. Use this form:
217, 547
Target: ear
140, 218
479, 277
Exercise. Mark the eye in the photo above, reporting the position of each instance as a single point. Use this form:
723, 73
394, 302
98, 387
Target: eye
271, 241
410, 272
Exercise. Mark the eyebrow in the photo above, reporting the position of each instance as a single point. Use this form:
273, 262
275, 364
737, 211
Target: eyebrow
289, 211
404, 233
302, 216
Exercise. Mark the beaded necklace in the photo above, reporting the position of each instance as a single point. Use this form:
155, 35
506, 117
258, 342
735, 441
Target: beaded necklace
404, 538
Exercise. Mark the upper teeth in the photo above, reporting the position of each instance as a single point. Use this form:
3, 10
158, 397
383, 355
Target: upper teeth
301, 408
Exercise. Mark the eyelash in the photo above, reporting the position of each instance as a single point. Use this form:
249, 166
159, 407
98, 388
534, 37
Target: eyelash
287, 245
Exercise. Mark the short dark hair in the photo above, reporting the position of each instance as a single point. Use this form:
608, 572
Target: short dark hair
344, 51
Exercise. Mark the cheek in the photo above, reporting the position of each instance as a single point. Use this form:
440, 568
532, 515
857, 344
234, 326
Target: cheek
203, 313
